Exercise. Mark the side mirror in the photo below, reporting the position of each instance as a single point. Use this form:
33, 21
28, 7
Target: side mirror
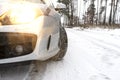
60, 6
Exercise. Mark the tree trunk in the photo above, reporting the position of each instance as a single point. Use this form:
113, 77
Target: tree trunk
100, 13
92, 20
110, 17
104, 21
114, 13
97, 12
71, 15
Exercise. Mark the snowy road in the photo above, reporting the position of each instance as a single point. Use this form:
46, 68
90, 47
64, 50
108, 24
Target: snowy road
18, 71
92, 55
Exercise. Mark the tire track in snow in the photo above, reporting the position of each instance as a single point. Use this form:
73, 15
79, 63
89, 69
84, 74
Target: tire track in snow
113, 49
37, 70
88, 47
104, 44
99, 74
104, 32
14, 71
101, 42
106, 39
110, 56
113, 54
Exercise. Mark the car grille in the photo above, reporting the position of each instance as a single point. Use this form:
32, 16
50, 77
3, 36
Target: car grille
16, 44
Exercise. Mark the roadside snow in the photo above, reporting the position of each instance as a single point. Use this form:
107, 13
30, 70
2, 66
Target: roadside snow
92, 55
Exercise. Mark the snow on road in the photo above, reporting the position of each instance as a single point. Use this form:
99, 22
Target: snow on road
91, 55
16, 71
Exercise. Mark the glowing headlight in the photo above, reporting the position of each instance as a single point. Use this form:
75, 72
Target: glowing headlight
23, 13
23, 16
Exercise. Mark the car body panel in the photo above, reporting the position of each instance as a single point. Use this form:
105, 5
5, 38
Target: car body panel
46, 27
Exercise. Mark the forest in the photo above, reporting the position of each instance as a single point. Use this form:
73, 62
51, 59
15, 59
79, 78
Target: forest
92, 12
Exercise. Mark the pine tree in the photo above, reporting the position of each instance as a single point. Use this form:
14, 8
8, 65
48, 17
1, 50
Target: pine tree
104, 21
115, 10
91, 12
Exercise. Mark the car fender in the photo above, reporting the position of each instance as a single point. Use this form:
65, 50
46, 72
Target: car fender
48, 36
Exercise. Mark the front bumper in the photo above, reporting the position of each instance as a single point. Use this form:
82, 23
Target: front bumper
39, 53
16, 44
43, 27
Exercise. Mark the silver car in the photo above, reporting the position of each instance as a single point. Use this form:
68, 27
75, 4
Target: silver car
30, 30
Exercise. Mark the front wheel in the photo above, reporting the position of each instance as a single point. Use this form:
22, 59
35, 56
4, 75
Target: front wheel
63, 44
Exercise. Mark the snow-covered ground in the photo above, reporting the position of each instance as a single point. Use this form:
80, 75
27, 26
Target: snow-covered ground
93, 54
